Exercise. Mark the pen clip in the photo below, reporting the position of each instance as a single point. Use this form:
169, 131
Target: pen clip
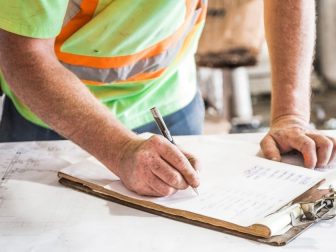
161, 124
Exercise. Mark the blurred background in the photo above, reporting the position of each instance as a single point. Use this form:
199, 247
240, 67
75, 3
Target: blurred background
234, 70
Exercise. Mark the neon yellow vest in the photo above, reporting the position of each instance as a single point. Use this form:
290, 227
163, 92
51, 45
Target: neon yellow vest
132, 55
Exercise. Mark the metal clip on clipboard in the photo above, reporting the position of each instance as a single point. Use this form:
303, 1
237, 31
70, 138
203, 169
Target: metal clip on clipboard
315, 211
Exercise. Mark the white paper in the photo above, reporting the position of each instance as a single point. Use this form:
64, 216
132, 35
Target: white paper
330, 169
39, 214
235, 186
296, 159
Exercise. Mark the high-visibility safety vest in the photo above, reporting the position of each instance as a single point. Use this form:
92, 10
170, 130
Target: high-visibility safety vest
131, 54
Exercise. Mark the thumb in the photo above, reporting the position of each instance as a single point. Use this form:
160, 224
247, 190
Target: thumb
270, 149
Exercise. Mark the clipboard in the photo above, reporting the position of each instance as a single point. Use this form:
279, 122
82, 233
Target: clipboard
316, 205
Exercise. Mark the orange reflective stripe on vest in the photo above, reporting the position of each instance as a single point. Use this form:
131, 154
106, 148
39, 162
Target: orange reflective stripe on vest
147, 64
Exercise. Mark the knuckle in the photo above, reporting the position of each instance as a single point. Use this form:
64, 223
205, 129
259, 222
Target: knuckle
180, 162
326, 144
308, 145
296, 130
155, 139
330, 143
173, 179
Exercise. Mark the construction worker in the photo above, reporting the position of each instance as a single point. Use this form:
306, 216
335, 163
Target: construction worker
90, 70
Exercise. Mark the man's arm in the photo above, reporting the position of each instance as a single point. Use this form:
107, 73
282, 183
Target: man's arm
290, 34
150, 167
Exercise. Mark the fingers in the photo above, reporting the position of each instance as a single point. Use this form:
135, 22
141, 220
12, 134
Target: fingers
148, 191
155, 167
307, 147
333, 153
317, 150
150, 185
324, 149
270, 149
172, 155
292, 132
159, 186
169, 175
192, 160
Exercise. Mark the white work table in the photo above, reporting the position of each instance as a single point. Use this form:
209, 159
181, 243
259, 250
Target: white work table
39, 214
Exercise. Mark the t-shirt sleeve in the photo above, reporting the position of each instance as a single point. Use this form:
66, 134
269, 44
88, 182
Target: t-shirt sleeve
33, 18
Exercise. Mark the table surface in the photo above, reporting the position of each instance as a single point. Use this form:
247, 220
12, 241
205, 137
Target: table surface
39, 214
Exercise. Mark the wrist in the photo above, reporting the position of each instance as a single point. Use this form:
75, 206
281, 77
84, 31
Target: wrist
109, 145
290, 105
290, 119
117, 150
122, 152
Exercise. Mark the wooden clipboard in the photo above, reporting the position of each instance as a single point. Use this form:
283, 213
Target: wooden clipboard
279, 240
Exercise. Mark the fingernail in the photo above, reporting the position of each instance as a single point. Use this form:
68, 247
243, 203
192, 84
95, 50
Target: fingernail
320, 165
275, 159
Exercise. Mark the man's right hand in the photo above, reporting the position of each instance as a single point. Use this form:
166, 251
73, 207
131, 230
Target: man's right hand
155, 167
148, 167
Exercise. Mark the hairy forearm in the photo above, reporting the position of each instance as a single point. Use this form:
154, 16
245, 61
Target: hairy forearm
60, 99
290, 34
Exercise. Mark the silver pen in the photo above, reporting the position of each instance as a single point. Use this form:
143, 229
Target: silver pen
164, 130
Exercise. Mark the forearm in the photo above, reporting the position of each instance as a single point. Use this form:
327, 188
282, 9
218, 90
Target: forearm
61, 100
290, 34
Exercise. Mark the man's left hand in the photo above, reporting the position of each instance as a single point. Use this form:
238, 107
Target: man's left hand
292, 133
